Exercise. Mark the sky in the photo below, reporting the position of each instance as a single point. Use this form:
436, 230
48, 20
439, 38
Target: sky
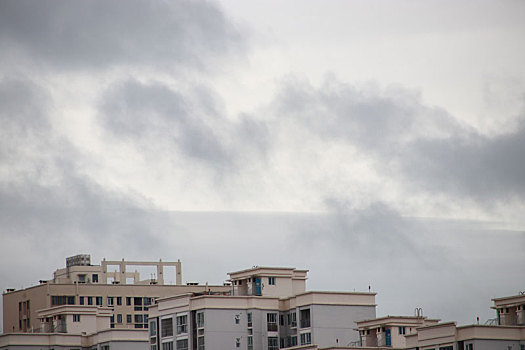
374, 143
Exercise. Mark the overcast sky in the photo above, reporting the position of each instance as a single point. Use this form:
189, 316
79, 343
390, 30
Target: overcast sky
375, 143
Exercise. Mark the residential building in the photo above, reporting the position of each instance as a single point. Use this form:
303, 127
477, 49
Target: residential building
83, 284
510, 310
390, 331
76, 327
269, 309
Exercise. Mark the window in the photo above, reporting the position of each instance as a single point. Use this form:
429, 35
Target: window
238, 342
292, 319
166, 327
167, 346
94, 278
250, 342
104, 347
271, 281
152, 329
119, 318
128, 301
128, 319
99, 301
182, 324
182, 344
402, 330
450, 347
76, 318
81, 300
59, 300
271, 321
249, 316
147, 301
119, 300
200, 343
237, 319
137, 301
138, 321
305, 318
273, 343
281, 320
200, 319
90, 300
112, 321
306, 338
470, 347
292, 341
153, 347
110, 301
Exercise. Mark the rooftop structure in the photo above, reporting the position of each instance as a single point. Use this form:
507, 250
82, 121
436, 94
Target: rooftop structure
93, 285
390, 331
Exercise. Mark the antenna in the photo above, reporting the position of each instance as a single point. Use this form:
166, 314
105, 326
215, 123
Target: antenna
418, 312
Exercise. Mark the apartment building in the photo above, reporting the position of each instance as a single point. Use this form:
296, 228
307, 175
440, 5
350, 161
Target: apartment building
83, 284
269, 308
76, 327
390, 331
510, 310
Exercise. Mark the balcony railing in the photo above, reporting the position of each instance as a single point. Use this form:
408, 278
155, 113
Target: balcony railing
272, 327
305, 323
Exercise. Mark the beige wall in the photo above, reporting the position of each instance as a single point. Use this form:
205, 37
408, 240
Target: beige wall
40, 298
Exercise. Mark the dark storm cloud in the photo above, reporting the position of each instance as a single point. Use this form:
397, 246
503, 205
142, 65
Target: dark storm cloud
480, 167
371, 118
431, 149
153, 113
97, 34
191, 123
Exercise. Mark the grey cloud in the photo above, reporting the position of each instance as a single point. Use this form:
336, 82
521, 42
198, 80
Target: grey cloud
483, 168
373, 234
188, 122
428, 146
371, 118
98, 34
153, 113
42, 192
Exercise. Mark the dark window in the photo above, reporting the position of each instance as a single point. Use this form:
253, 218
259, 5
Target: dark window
182, 324
271, 281
81, 300
119, 318
128, 319
119, 300
182, 344
271, 321
152, 329
90, 300
273, 343
305, 318
249, 315
137, 301
99, 301
402, 330
94, 278
128, 300
306, 338
166, 327
76, 318
167, 346
110, 301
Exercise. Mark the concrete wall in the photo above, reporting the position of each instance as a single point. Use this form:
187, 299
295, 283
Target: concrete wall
486, 344
331, 322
